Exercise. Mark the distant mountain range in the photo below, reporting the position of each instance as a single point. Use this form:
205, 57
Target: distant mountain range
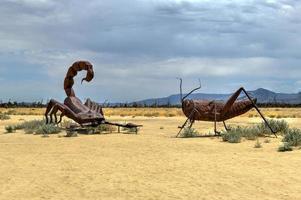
262, 95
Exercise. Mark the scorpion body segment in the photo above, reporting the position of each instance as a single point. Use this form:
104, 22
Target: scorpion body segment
72, 107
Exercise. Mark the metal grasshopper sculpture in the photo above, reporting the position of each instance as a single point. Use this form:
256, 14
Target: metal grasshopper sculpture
88, 114
217, 111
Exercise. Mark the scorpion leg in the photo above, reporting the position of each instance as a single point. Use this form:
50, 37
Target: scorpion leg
50, 106
55, 108
53, 113
61, 117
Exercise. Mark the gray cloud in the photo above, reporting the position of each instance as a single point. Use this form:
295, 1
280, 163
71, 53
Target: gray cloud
139, 46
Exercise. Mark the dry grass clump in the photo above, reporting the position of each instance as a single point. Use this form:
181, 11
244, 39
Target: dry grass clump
285, 147
235, 134
23, 111
130, 130
105, 128
280, 126
293, 137
257, 144
277, 113
10, 129
38, 127
46, 129
232, 136
30, 126
4, 116
152, 114
189, 132
252, 133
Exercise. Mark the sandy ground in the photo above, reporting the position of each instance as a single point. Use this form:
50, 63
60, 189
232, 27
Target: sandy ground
150, 165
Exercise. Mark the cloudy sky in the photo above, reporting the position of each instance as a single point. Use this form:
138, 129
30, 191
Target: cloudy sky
139, 47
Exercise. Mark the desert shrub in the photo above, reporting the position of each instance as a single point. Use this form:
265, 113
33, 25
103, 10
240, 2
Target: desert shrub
11, 112
130, 130
250, 133
10, 129
4, 116
232, 136
71, 133
30, 126
257, 144
189, 132
280, 126
293, 137
161, 127
105, 128
285, 147
46, 129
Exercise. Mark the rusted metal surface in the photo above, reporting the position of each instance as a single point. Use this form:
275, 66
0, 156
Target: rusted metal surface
73, 108
88, 114
217, 111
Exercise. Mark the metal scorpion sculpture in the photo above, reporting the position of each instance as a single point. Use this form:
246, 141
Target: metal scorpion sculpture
217, 111
88, 114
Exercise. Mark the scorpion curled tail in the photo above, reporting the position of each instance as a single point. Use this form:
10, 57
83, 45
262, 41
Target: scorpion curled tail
72, 72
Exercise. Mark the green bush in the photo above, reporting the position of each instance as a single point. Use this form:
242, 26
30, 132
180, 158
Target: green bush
30, 126
280, 126
250, 133
189, 132
46, 129
232, 136
293, 137
132, 130
285, 147
10, 129
105, 128
38, 127
4, 116
71, 133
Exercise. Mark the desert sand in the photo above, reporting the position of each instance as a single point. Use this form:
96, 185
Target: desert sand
151, 165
